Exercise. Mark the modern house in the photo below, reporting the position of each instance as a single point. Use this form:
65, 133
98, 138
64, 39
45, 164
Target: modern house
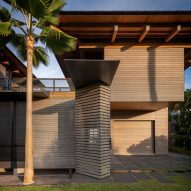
127, 69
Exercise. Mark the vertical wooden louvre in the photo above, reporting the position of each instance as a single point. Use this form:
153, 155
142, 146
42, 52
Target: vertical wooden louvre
132, 138
92, 118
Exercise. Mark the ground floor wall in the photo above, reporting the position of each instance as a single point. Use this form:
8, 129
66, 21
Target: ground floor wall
139, 132
53, 133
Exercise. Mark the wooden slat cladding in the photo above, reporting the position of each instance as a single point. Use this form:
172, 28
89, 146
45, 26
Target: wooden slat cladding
161, 131
132, 138
5, 133
147, 74
53, 133
92, 119
160, 119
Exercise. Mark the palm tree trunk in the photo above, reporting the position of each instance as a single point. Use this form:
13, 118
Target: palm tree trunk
29, 171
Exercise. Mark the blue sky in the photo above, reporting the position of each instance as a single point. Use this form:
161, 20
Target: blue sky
53, 70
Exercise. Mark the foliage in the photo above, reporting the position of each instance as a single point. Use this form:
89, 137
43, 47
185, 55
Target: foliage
181, 150
36, 18
181, 114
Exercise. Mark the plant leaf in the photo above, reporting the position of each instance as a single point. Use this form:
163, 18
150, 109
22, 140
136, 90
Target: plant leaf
5, 28
56, 40
56, 5
40, 56
4, 14
38, 8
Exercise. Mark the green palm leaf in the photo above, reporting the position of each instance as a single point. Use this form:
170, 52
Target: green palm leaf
5, 28
40, 56
4, 15
57, 40
46, 13
56, 5
38, 8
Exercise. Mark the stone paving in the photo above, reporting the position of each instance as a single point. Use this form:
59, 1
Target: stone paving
124, 169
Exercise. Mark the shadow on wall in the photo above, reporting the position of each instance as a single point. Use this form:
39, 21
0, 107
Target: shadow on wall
128, 114
54, 136
152, 73
146, 145
151, 70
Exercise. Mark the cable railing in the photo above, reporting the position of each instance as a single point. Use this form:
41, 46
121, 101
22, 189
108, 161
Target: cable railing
39, 84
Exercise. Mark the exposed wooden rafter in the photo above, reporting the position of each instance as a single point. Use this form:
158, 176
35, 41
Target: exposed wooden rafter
145, 32
114, 33
173, 33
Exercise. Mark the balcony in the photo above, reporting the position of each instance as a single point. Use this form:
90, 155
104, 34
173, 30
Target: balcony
15, 88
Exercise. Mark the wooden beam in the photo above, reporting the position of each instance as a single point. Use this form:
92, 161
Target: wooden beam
145, 32
173, 33
114, 33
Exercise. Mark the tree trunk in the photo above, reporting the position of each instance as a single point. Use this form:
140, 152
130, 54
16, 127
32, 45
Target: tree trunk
29, 171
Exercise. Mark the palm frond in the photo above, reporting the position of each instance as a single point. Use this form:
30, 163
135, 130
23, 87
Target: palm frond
4, 15
56, 5
17, 40
40, 56
37, 8
56, 40
5, 28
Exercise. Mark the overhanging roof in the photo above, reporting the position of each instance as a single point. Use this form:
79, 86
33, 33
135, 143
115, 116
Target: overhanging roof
131, 25
15, 63
89, 72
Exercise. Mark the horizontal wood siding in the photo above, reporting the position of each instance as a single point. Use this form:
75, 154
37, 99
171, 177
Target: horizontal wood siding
53, 121
132, 137
161, 131
147, 74
92, 118
53, 133
160, 118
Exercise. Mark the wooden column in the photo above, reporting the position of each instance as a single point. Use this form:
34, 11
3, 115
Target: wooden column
92, 121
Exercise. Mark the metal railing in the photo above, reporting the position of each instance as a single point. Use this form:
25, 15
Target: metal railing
39, 84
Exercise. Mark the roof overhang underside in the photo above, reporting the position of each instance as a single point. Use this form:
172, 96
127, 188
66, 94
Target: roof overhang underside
89, 72
135, 26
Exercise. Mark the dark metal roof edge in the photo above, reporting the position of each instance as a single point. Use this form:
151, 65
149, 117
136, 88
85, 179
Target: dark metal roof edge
135, 12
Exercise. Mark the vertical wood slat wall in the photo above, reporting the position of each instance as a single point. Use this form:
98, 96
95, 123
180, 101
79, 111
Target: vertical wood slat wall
92, 119
147, 74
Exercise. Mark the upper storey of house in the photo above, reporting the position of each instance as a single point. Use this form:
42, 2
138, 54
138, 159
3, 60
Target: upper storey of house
154, 48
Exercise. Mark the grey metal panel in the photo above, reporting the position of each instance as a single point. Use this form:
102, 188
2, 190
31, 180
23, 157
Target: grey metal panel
85, 72
92, 119
6, 132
